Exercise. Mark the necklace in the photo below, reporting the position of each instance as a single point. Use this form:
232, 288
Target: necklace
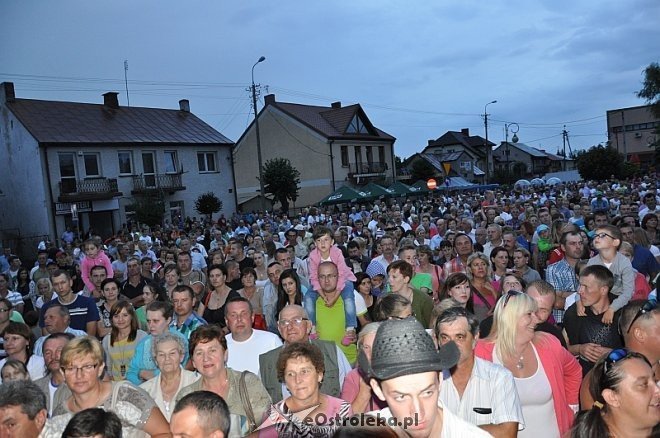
520, 365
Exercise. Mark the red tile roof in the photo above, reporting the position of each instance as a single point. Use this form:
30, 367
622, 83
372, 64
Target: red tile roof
71, 122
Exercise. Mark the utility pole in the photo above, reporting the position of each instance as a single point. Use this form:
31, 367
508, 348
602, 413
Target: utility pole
623, 134
128, 101
564, 135
256, 126
489, 150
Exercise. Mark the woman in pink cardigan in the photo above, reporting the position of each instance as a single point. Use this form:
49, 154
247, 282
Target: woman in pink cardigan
547, 376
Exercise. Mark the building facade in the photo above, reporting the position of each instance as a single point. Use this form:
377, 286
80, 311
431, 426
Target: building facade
330, 147
75, 164
632, 131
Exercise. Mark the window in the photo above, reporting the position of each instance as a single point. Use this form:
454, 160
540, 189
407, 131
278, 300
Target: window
381, 154
171, 162
125, 162
356, 126
358, 155
344, 156
206, 162
370, 155
67, 173
92, 165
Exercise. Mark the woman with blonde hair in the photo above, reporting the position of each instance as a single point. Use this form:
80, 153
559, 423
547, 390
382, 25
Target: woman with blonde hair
83, 368
546, 375
484, 294
45, 291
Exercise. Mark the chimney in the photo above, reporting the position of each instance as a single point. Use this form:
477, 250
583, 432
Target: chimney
465, 132
8, 91
110, 99
184, 105
269, 99
336, 104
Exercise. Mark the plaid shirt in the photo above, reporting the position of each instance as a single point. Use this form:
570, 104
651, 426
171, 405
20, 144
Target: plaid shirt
189, 325
562, 277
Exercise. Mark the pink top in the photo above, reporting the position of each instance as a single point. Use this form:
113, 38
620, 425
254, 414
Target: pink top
87, 265
273, 422
563, 371
337, 257
351, 387
642, 288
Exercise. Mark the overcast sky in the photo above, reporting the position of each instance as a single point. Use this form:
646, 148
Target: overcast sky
418, 68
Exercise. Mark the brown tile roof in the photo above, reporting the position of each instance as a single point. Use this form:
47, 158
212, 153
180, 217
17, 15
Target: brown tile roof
71, 122
331, 122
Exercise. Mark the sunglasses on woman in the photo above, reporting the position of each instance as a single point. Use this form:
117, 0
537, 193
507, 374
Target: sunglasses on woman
619, 355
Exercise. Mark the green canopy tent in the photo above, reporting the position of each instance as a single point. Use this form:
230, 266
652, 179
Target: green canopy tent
419, 188
342, 195
400, 189
374, 191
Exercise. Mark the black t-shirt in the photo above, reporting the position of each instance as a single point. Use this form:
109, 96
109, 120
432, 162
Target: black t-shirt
235, 284
247, 262
130, 291
590, 329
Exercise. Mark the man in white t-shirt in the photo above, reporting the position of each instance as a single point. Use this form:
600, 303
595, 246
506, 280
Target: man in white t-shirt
245, 344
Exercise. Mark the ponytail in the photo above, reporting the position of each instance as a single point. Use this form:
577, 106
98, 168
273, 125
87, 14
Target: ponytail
590, 424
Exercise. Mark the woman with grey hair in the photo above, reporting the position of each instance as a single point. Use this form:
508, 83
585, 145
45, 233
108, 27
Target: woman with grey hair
356, 389
484, 294
169, 351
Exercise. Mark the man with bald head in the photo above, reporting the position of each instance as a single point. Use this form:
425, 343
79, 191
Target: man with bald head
294, 326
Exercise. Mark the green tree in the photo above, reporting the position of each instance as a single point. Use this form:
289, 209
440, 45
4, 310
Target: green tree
651, 93
282, 181
148, 210
599, 163
208, 203
421, 169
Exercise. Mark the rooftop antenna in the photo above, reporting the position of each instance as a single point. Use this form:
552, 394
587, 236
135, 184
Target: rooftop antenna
128, 100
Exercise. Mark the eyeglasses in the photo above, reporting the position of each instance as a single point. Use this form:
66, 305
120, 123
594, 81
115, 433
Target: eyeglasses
649, 306
86, 369
604, 235
295, 321
511, 293
616, 356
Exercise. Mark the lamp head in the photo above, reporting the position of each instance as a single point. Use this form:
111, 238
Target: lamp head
262, 59
514, 139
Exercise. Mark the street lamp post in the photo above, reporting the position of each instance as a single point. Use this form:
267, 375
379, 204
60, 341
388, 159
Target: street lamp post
489, 150
256, 125
514, 129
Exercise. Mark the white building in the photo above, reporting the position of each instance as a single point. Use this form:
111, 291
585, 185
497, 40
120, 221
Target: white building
98, 158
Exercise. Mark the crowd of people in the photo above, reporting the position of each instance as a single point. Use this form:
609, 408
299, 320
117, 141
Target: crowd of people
530, 312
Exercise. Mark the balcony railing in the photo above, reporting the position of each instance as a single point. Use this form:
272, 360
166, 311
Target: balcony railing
88, 189
166, 182
360, 169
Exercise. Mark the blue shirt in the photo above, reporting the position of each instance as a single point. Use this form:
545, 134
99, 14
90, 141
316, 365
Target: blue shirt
643, 261
81, 311
143, 358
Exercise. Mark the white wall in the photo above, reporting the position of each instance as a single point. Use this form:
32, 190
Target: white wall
24, 205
